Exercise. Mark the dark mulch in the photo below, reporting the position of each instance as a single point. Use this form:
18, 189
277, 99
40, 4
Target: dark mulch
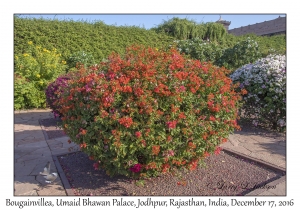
222, 175
51, 129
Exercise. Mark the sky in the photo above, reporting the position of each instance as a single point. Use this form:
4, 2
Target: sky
152, 20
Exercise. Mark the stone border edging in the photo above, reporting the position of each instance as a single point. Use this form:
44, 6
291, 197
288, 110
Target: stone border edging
264, 163
62, 175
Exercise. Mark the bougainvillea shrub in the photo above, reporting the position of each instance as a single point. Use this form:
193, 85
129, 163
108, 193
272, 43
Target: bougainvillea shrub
53, 93
265, 81
149, 112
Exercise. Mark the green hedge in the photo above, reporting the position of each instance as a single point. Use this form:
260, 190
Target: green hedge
96, 38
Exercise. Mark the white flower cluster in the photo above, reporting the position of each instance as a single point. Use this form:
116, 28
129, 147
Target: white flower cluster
265, 81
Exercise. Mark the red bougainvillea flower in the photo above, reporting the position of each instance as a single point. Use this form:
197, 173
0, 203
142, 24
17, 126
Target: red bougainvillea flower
138, 134
83, 131
155, 149
83, 145
218, 150
171, 124
136, 168
126, 121
212, 118
206, 154
193, 164
165, 167
143, 143
171, 153
181, 88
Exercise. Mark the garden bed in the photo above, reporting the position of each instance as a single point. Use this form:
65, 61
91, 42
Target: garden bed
222, 175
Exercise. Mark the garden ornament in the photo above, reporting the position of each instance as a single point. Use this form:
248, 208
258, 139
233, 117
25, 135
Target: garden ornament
46, 173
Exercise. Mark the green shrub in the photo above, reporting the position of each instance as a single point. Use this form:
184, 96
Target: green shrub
183, 29
244, 52
37, 67
149, 112
80, 58
95, 37
200, 49
26, 95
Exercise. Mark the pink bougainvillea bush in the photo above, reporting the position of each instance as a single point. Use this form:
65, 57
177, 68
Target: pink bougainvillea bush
149, 112
53, 93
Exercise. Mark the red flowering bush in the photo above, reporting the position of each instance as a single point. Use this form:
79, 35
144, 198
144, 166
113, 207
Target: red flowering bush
55, 89
149, 112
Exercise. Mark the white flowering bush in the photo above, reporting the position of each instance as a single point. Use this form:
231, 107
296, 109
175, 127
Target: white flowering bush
200, 49
265, 82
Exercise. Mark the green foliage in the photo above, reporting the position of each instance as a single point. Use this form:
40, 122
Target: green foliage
183, 29
26, 94
34, 69
80, 58
149, 111
214, 31
244, 52
272, 45
200, 49
39, 65
69, 37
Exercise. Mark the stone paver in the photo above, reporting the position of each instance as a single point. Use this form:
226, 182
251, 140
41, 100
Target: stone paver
32, 151
267, 148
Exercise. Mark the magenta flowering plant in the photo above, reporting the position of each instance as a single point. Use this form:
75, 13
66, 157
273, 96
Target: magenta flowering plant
149, 112
136, 168
53, 93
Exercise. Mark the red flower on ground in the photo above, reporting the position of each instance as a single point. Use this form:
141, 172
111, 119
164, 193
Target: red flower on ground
96, 166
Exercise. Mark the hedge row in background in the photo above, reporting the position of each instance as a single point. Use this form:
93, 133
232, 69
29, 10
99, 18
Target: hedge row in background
233, 54
188, 29
70, 37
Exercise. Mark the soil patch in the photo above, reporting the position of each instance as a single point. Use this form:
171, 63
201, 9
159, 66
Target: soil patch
51, 129
222, 175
